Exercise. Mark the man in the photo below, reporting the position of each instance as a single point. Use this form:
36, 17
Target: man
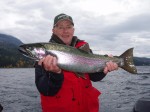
61, 90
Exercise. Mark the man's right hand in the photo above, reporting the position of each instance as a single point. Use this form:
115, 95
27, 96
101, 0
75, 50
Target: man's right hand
50, 64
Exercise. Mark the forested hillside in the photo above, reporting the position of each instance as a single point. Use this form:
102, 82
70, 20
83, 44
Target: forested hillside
141, 61
9, 55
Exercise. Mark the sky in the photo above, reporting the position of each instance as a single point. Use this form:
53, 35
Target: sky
109, 26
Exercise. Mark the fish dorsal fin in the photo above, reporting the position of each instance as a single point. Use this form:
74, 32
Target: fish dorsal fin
85, 48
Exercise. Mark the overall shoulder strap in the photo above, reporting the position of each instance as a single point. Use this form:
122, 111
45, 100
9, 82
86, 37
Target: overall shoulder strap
80, 43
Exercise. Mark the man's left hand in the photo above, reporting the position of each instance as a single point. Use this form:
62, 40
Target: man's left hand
110, 66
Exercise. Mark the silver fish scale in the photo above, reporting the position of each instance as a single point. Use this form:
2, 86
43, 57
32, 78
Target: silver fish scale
79, 63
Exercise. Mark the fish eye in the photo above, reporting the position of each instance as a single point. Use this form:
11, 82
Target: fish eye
29, 48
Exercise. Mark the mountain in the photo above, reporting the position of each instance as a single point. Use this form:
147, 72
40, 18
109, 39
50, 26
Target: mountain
9, 40
141, 61
9, 55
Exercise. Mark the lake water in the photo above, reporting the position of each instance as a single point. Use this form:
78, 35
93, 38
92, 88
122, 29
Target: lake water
120, 90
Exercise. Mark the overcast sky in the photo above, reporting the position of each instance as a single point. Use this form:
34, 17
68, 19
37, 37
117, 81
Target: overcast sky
109, 26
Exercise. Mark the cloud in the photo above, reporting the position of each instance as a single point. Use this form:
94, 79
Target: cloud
132, 32
109, 28
133, 24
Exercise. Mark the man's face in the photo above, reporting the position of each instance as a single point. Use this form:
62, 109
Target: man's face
64, 30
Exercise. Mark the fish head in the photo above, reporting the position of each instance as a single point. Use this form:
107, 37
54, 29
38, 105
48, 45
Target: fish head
34, 51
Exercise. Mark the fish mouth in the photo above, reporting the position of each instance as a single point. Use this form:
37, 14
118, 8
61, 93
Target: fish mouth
23, 51
26, 53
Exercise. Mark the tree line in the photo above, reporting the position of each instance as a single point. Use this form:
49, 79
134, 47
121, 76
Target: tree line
14, 60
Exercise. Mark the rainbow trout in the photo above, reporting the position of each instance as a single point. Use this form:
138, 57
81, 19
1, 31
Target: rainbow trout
76, 60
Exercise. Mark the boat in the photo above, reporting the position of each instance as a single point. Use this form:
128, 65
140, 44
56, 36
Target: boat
142, 105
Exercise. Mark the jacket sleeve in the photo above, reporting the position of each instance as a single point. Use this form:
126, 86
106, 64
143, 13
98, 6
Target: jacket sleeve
96, 76
47, 83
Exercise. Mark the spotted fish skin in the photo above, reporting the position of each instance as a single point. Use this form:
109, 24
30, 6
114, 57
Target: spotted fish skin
76, 60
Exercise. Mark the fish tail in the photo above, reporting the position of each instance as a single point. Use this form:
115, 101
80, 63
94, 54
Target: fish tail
128, 65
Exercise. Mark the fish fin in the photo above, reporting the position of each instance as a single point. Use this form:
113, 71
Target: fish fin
82, 75
85, 48
128, 65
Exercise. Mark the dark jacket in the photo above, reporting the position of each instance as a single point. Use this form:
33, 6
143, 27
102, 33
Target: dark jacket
49, 83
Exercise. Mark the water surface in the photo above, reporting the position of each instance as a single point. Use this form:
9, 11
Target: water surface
120, 90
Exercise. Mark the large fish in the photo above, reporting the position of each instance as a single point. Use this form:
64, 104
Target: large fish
76, 60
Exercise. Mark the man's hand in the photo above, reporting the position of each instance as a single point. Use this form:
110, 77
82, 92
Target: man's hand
50, 64
110, 66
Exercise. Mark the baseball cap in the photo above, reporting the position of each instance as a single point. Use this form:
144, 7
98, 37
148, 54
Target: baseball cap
61, 17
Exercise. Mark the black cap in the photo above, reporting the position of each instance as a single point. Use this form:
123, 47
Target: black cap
61, 17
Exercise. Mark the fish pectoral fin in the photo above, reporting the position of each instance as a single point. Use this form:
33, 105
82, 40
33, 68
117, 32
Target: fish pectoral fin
82, 75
